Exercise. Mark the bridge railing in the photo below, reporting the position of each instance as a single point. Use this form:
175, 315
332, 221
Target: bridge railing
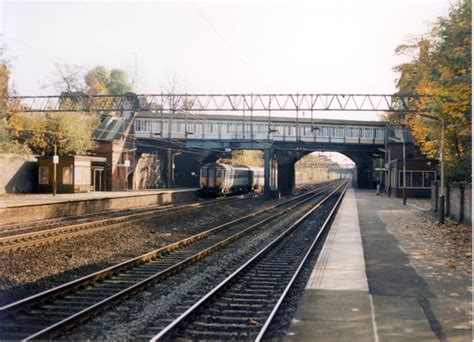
255, 129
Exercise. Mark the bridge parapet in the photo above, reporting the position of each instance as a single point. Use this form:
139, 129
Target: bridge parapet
258, 128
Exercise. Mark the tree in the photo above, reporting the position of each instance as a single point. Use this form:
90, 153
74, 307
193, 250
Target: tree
440, 65
102, 81
119, 82
96, 81
73, 132
7, 144
67, 78
245, 157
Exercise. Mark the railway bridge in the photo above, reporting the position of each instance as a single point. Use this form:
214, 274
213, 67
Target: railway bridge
284, 140
282, 125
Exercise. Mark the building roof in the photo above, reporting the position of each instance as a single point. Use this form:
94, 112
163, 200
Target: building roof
114, 126
403, 134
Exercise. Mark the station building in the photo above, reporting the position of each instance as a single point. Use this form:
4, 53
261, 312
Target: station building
73, 174
419, 171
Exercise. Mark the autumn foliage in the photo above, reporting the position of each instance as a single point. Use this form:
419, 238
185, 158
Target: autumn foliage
440, 65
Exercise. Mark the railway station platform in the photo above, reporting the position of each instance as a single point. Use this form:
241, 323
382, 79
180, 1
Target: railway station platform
379, 278
30, 207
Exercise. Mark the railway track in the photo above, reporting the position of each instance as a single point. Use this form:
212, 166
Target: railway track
49, 313
243, 306
31, 236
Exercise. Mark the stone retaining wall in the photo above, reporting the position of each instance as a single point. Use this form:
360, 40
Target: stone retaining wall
19, 173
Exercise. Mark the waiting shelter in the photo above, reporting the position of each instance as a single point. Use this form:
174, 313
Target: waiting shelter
72, 173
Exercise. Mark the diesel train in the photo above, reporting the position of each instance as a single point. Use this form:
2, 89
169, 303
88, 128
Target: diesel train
221, 179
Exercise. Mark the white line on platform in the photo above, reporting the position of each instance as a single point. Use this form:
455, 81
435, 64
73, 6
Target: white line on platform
374, 322
341, 264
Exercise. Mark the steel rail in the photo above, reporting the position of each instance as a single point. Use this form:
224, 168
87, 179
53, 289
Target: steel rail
39, 237
113, 270
297, 272
91, 310
166, 333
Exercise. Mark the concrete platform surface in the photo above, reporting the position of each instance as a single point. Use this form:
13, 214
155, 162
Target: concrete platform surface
14, 200
369, 283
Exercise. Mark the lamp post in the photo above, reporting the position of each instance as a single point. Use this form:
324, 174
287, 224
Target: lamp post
404, 167
55, 163
441, 160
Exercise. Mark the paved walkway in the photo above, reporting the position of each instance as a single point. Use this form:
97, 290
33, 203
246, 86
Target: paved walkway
376, 281
14, 200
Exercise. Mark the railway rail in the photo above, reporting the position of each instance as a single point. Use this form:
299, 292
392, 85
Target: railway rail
50, 313
243, 306
13, 238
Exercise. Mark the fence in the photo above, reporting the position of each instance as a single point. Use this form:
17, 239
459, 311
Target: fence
458, 204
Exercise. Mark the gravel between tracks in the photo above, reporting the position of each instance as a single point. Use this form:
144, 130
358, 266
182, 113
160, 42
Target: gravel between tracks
131, 318
30, 271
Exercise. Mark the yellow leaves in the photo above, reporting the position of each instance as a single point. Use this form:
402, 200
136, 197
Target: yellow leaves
40, 131
4, 75
441, 66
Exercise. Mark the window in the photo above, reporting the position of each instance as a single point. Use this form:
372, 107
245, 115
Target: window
67, 175
416, 179
44, 175
379, 133
428, 177
401, 182
323, 131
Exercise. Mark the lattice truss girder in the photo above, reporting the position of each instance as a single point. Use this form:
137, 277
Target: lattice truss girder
216, 102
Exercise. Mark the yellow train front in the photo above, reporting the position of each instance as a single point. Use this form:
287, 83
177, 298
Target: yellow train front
222, 179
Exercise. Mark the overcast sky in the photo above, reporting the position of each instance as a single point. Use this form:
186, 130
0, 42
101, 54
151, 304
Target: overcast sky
238, 47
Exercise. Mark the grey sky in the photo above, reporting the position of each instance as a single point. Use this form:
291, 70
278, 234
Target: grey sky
318, 46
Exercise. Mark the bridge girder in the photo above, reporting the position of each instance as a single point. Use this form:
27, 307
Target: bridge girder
200, 103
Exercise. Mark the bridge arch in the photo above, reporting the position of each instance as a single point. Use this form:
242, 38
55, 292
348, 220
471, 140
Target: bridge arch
286, 161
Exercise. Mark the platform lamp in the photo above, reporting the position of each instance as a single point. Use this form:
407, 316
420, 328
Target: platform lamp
404, 194
441, 161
